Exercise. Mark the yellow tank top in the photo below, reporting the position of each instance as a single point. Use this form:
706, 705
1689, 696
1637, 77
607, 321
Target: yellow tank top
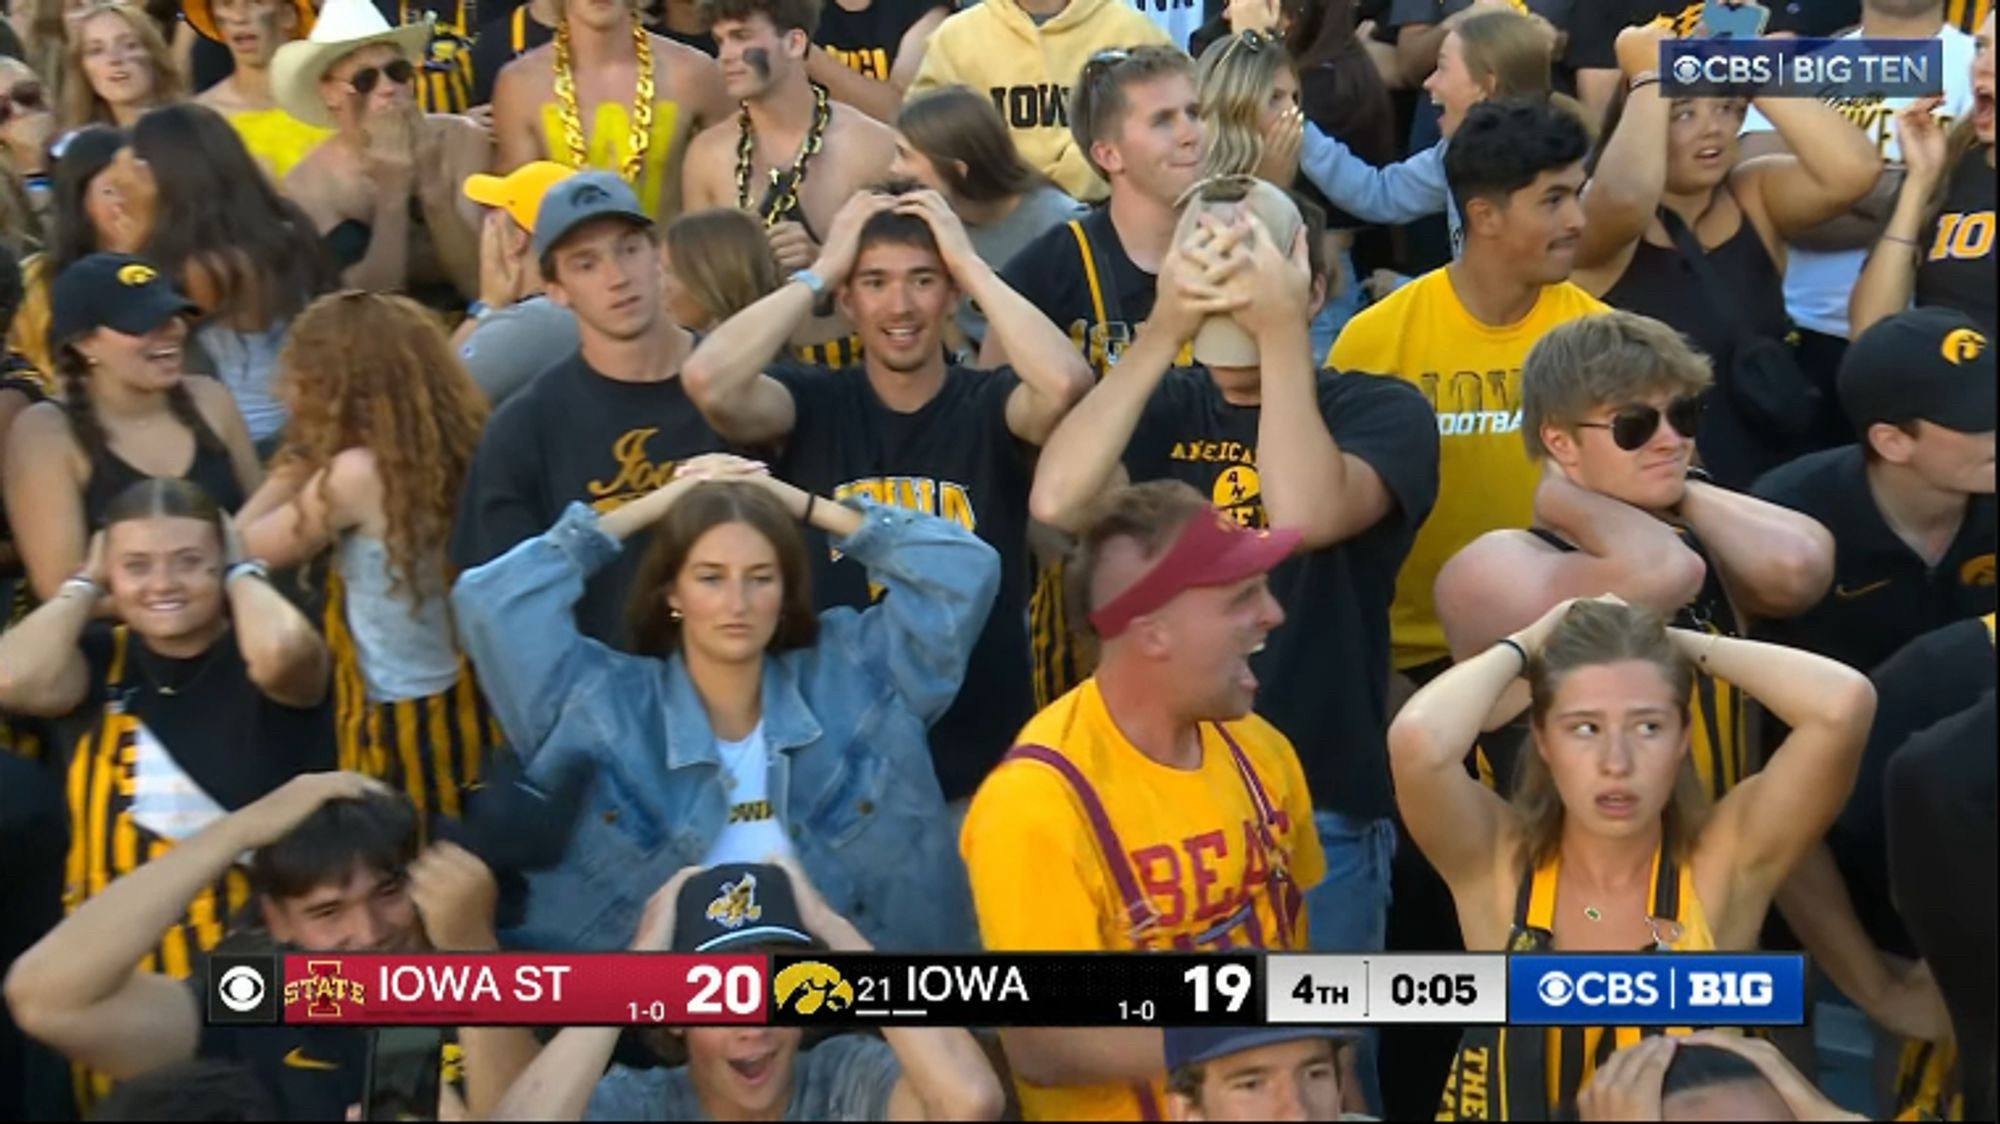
277, 139
608, 141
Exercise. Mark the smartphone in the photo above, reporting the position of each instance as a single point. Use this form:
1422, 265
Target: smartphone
403, 1067
1720, 20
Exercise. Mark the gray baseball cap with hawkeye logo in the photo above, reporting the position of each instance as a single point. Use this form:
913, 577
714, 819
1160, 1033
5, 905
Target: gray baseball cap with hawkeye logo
582, 197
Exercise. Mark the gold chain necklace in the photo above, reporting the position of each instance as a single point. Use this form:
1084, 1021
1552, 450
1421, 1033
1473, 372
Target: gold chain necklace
782, 201
642, 103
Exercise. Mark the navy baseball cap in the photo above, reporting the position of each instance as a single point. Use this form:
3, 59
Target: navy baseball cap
1929, 364
570, 203
117, 291
1192, 1045
731, 905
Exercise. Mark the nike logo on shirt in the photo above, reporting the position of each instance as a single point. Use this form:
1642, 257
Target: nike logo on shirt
297, 1059
1846, 594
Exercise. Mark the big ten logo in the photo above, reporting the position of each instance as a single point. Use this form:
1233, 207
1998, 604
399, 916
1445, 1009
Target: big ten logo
1730, 989
1963, 237
872, 61
1237, 489
635, 474
1044, 105
1195, 882
610, 141
1977, 570
941, 498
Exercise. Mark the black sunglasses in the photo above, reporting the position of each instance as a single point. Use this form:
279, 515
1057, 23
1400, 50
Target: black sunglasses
1103, 62
1632, 426
398, 71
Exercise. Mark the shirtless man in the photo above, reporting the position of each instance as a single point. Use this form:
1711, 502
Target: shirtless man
808, 154
253, 30
383, 190
584, 100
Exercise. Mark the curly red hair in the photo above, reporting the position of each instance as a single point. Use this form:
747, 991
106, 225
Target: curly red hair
375, 371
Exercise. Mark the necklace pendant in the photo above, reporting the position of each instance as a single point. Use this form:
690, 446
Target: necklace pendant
1591, 912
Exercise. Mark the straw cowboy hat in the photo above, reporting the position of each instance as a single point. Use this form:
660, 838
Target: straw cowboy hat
201, 15
343, 27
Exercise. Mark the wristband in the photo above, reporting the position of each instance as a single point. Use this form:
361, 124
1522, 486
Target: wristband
1910, 242
82, 585
810, 280
249, 566
1642, 79
478, 310
810, 501
1509, 642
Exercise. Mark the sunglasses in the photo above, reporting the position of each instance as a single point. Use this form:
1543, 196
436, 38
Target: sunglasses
1632, 426
26, 96
398, 71
1103, 62
1251, 40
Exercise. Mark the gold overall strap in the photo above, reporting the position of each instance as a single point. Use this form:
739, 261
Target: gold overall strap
1987, 620
518, 34
1538, 906
1102, 325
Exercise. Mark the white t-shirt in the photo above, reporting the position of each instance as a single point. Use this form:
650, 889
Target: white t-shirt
751, 832
1817, 283
1180, 19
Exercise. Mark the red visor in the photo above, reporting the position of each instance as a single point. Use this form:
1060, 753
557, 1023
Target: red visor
1211, 549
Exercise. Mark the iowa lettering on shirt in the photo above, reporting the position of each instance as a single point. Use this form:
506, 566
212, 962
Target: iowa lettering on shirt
1181, 881
1043, 105
871, 61
635, 474
1874, 116
912, 493
1473, 403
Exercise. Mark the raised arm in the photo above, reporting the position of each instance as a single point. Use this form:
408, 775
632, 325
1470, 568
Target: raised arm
1768, 822
42, 670
1054, 375
877, 97
1775, 562
1889, 279
78, 989
1395, 193
1631, 173
282, 651
725, 375
295, 516
1504, 580
1832, 164
1084, 455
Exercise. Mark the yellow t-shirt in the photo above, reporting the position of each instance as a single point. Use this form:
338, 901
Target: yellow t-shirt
277, 139
1471, 373
1190, 838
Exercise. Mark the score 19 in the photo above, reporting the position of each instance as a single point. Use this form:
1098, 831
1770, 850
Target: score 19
1231, 981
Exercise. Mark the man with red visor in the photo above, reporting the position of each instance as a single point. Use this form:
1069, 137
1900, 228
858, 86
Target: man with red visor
1148, 808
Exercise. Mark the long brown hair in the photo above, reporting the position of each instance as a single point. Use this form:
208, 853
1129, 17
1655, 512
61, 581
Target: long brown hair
1962, 139
78, 102
1593, 633
956, 125
74, 372
721, 258
374, 371
164, 497
652, 627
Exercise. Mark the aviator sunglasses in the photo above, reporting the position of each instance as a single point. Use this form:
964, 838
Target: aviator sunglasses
398, 71
1632, 426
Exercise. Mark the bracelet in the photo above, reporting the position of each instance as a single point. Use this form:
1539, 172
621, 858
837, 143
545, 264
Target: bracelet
82, 584
1707, 650
1509, 642
250, 566
810, 501
1641, 80
1910, 242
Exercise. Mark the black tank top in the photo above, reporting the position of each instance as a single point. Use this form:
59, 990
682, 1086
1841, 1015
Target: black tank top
1957, 268
1659, 284
211, 471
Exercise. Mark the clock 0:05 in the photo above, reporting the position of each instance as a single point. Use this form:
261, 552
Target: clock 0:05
1443, 989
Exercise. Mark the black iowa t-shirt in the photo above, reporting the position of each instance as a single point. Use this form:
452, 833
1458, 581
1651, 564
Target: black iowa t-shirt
1595, 24
956, 458
574, 435
867, 40
1323, 677
1050, 272
1957, 266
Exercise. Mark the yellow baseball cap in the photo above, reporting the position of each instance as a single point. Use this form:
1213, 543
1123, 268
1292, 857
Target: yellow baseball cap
520, 191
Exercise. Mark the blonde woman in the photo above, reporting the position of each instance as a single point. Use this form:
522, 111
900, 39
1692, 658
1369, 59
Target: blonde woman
115, 68
1249, 93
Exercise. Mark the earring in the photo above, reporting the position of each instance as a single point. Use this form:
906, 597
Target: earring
673, 614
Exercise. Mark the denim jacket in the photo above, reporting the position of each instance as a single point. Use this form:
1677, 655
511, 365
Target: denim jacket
845, 719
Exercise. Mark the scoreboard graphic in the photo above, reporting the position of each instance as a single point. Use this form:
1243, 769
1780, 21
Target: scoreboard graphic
1020, 989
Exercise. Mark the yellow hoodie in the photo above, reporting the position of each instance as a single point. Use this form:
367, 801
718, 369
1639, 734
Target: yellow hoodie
995, 48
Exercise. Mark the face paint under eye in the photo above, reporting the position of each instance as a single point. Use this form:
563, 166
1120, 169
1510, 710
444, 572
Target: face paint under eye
759, 60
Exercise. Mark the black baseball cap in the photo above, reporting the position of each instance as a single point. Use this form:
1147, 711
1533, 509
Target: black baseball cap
582, 197
732, 905
1927, 364
1192, 1045
117, 291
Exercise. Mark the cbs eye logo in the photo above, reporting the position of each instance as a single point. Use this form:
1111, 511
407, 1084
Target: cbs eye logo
810, 987
241, 988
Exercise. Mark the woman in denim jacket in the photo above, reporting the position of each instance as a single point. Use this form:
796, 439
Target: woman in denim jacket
738, 681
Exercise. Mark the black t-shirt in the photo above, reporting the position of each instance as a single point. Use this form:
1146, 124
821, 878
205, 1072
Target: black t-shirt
1813, 19
867, 40
1957, 270
1941, 852
311, 1072
501, 40
1323, 675
573, 434
956, 458
1595, 24
1050, 272
1883, 594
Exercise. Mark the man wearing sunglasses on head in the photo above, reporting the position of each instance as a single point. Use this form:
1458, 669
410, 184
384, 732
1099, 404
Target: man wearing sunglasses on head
1610, 405
384, 188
